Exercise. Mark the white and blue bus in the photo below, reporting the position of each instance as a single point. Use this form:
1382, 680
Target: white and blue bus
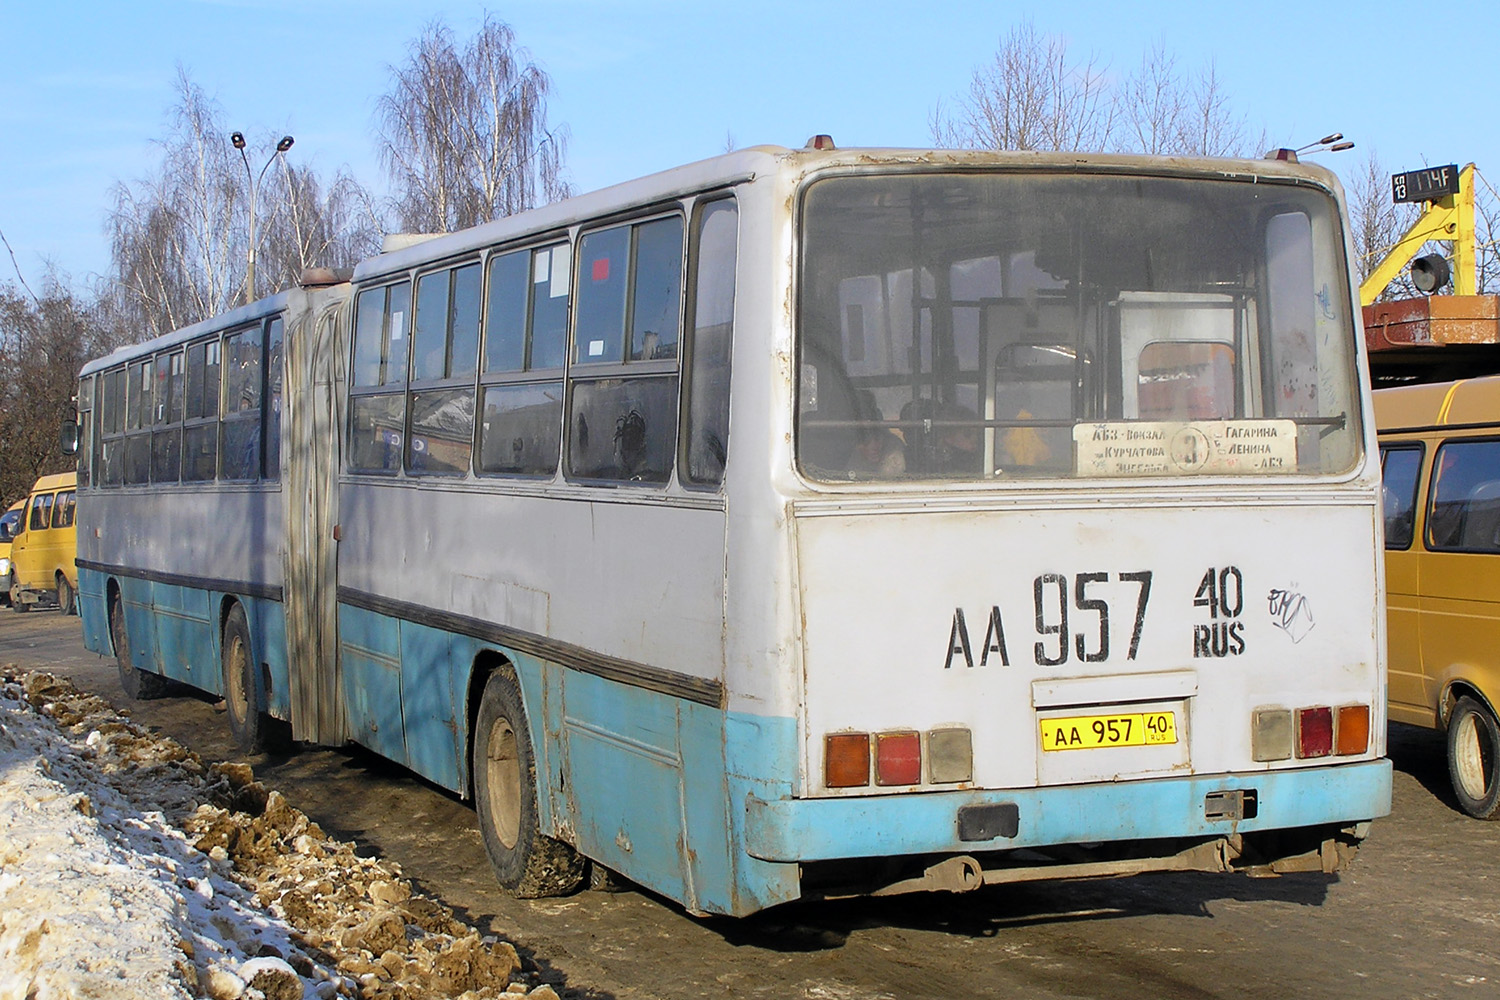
792, 524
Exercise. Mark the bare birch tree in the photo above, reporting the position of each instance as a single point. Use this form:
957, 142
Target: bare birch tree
176, 240
1161, 113
1033, 95
1376, 223
180, 238
1486, 234
309, 227
463, 134
1153, 105
1211, 127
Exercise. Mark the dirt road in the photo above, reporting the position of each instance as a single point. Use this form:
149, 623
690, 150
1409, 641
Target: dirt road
1418, 915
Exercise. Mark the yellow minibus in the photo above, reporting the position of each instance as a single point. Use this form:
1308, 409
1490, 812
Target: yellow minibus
45, 547
1440, 463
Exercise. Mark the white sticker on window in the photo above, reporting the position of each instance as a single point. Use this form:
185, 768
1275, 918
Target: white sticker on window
542, 267
398, 326
596, 348
561, 258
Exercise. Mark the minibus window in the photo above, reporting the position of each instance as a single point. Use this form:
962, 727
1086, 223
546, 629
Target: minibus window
1399, 470
41, 512
62, 514
1464, 511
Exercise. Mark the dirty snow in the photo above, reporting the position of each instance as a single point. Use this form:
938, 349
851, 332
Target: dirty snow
130, 869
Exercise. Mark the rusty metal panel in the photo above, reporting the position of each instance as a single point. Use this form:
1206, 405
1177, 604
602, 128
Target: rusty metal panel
1435, 320
1465, 319
1398, 323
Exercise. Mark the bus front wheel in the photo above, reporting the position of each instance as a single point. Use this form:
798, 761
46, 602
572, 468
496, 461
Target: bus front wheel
527, 863
1474, 758
246, 724
138, 684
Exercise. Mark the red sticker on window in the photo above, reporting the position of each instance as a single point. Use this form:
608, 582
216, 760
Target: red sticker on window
601, 269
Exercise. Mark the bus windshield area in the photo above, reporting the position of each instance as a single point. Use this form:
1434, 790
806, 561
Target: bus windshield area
1020, 325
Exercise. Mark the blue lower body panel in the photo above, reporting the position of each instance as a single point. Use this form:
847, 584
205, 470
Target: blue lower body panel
1146, 809
175, 631
684, 798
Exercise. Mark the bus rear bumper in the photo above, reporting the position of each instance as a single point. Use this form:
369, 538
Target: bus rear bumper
802, 830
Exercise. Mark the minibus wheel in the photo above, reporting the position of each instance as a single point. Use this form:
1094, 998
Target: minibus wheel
527, 863
138, 684
246, 724
1474, 758
65, 602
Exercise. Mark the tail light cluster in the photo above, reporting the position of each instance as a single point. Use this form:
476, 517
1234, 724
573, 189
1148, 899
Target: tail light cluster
1318, 731
896, 757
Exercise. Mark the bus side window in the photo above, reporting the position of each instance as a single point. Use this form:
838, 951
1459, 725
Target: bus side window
1399, 470
445, 356
706, 437
138, 424
624, 391
525, 333
85, 430
377, 393
166, 435
111, 461
243, 384
200, 435
275, 373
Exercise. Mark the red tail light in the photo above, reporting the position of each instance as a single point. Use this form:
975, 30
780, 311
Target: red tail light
1314, 732
898, 758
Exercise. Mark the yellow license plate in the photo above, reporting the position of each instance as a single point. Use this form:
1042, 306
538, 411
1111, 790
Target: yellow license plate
1090, 732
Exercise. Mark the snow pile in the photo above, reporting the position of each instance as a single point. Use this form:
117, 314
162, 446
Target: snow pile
129, 869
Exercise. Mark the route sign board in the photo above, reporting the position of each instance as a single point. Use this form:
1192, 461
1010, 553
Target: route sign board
1427, 184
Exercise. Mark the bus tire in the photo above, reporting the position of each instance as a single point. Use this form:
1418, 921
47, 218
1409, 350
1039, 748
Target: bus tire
138, 684
1474, 758
246, 723
527, 864
65, 601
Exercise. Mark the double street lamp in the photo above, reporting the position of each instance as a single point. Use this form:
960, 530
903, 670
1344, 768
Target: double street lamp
238, 140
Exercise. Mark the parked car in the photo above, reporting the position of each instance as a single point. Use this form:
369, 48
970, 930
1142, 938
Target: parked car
45, 548
1440, 462
9, 523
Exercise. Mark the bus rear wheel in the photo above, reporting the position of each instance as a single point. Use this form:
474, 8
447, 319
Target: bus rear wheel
65, 600
1474, 758
246, 724
527, 864
138, 684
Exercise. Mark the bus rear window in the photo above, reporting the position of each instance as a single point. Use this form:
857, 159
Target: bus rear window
1028, 326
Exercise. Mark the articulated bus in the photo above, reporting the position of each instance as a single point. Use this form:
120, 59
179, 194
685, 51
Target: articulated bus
793, 524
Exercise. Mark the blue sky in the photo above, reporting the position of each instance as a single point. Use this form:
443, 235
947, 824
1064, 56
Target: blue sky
648, 84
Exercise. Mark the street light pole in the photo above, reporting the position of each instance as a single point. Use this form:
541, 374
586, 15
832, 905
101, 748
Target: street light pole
238, 140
